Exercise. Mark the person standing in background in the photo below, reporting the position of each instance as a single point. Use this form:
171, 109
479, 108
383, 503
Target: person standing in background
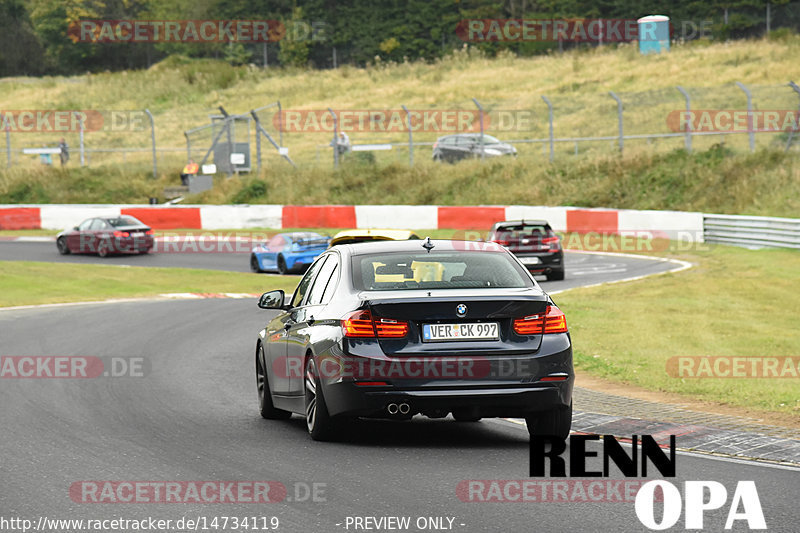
64, 155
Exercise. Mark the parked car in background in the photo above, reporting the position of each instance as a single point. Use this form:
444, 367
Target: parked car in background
452, 148
288, 252
373, 331
351, 236
107, 235
534, 243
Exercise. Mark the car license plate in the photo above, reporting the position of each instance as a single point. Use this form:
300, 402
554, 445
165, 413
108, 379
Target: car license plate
460, 332
530, 260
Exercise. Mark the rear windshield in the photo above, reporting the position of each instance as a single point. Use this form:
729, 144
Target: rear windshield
124, 221
525, 230
437, 270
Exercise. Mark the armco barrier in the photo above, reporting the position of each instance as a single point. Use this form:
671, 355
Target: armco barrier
755, 232
676, 225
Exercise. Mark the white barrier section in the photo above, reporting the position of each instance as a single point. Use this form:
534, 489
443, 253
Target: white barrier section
241, 216
67, 216
397, 216
674, 225
556, 216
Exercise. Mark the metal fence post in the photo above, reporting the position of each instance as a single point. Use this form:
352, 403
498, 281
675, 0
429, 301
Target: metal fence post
480, 109
796, 89
188, 147
80, 126
153, 138
280, 124
410, 137
258, 146
750, 131
8, 143
335, 142
619, 118
688, 139
550, 120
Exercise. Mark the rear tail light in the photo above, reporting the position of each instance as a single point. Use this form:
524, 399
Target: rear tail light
388, 327
501, 242
121, 234
553, 243
361, 324
148, 232
553, 321
358, 324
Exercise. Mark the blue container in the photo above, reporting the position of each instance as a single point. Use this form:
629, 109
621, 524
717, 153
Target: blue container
653, 34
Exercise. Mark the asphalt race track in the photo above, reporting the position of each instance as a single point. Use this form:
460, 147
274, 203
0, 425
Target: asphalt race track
191, 415
582, 268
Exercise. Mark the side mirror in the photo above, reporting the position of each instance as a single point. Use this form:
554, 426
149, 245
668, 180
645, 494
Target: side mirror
75, 228
272, 300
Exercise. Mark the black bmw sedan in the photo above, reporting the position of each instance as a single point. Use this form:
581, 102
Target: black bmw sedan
399, 328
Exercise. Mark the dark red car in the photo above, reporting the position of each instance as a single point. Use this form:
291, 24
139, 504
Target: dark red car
534, 243
107, 235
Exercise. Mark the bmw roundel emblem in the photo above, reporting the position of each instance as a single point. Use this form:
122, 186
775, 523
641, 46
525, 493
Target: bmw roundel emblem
461, 310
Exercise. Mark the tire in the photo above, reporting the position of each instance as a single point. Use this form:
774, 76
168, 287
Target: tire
254, 266
61, 244
266, 407
556, 422
464, 416
319, 422
556, 275
282, 265
102, 249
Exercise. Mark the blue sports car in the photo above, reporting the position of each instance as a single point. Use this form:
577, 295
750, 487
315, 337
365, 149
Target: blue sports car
288, 252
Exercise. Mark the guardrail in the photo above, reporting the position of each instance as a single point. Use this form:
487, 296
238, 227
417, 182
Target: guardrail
753, 232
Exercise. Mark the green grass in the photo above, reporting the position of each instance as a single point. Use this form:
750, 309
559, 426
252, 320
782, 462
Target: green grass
29, 283
735, 302
181, 93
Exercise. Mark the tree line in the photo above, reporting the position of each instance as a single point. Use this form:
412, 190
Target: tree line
38, 37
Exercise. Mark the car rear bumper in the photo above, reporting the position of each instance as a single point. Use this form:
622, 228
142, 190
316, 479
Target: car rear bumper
507, 386
123, 245
546, 262
349, 399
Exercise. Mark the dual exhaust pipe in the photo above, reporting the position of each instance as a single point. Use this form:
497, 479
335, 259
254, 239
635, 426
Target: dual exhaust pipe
394, 408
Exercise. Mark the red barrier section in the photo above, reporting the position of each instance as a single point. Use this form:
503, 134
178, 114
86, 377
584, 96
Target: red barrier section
470, 217
319, 216
20, 218
166, 217
584, 221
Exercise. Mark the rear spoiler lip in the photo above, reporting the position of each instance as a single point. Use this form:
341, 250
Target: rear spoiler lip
542, 297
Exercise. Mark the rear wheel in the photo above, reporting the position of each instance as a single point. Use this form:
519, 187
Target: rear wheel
61, 244
556, 422
556, 275
320, 424
254, 266
266, 407
282, 265
102, 249
464, 416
